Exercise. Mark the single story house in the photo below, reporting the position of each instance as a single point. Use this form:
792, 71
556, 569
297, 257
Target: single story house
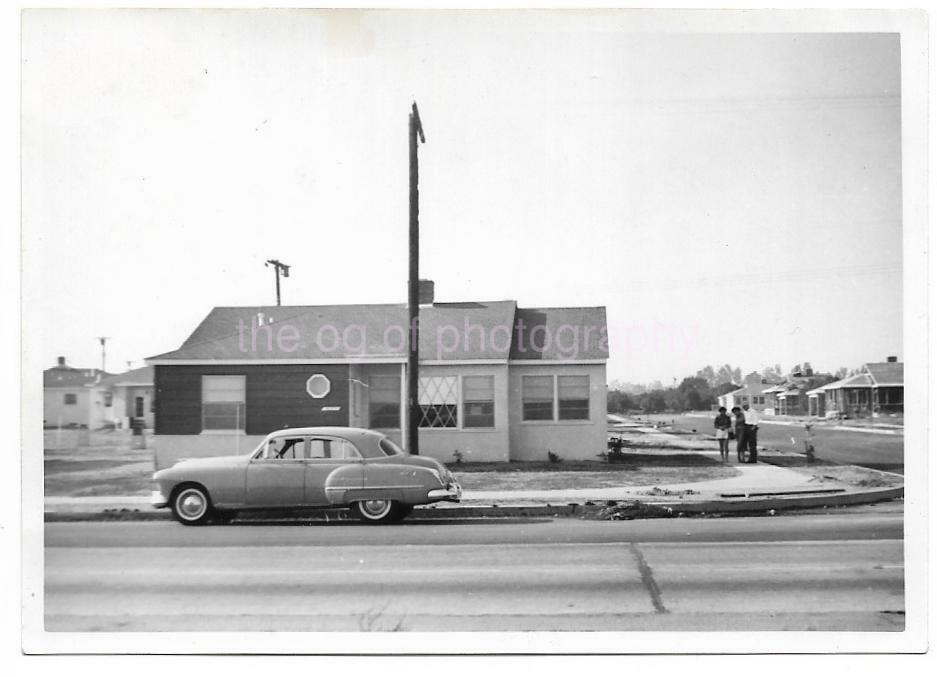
131, 397
496, 383
74, 397
750, 393
816, 401
876, 390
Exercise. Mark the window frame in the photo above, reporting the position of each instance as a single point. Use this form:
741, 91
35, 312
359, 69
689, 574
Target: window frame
588, 400
70, 399
242, 405
463, 402
556, 420
398, 403
457, 404
536, 421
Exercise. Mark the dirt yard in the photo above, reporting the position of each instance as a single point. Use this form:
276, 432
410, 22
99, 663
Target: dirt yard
108, 466
633, 471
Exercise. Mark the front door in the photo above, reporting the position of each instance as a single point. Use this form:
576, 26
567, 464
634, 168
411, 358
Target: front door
277, 477
138, 407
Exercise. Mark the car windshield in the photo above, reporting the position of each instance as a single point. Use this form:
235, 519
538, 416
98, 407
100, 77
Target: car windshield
390, 448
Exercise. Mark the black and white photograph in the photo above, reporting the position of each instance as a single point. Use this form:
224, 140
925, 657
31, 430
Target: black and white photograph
473, 331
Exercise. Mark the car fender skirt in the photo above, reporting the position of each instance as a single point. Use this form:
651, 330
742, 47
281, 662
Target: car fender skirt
376, 493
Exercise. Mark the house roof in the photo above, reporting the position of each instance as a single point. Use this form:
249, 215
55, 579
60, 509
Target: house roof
567, 334
448, 331
857, 381
142, 376
886, 373
777, 388
71, 377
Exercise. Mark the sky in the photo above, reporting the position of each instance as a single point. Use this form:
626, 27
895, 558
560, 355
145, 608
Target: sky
730, 197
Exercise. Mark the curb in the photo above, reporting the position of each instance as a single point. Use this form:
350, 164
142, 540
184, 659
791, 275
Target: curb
584, 510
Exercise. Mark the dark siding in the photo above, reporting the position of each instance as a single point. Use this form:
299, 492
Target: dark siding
276, 397
178, 401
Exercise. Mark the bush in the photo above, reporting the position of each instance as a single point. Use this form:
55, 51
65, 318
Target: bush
554, 458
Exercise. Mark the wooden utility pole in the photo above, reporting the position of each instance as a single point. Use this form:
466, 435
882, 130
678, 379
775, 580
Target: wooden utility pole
413, 289
103, 341
278, 269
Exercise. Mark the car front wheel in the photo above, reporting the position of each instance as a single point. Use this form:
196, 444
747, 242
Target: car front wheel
191, 505
377, 511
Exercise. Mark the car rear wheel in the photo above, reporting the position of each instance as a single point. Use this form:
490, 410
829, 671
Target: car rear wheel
376, 511
191, 506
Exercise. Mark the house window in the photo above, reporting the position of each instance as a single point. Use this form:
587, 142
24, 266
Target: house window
573, 398
439, 401
384, 401
478, 401
71, 398
537, 397
223, 402
108, 399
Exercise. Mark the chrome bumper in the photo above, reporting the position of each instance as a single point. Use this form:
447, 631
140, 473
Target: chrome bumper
451, 493
157, 500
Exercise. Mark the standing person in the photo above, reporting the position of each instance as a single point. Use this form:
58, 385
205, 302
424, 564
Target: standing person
739, 433
722, 422
752, 419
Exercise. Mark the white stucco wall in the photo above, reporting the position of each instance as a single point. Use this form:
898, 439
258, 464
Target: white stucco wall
55, 412
571, 440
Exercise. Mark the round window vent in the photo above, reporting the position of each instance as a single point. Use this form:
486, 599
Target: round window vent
318, 386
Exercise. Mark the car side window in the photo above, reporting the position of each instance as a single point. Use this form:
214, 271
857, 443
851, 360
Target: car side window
332, 449
344, 450
285, 449
320, 448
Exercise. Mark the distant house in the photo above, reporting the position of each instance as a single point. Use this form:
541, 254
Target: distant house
131, 396
74, 397
876, 390
792, 397
496, 382
94, 399
750, 393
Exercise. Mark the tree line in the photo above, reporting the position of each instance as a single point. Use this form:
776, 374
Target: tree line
694, 393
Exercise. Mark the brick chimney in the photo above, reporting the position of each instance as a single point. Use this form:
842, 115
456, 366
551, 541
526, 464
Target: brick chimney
891, 358
61, 361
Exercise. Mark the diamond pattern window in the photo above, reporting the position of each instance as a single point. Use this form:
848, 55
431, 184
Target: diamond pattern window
439, 401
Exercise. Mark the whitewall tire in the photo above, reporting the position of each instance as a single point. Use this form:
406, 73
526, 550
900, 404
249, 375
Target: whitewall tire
191, 505
376, 511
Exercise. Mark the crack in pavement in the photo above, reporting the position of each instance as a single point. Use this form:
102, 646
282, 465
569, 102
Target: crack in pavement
647, 578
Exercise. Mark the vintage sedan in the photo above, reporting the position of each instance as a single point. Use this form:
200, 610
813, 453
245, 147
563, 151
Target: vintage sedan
307, 468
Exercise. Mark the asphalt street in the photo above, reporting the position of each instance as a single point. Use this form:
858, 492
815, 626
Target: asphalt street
838, 571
